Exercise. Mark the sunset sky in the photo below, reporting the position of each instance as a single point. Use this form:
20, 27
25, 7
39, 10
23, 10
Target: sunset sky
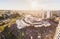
30, 4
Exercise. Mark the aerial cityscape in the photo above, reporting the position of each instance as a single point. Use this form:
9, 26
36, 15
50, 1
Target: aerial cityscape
29, 19
27, 24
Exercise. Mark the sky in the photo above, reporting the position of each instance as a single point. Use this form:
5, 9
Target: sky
30, 4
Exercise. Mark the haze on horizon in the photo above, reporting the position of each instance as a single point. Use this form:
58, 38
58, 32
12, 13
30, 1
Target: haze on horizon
29, 4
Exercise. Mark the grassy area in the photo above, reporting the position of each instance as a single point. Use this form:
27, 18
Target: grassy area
8, 23
2, 28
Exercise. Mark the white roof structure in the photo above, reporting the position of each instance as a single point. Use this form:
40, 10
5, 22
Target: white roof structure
30, 20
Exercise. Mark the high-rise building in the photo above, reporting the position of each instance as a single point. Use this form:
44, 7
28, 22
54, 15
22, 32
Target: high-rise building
48, 14
57, 34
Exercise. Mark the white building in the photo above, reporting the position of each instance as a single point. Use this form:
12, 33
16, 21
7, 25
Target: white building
48, 14
57, 34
